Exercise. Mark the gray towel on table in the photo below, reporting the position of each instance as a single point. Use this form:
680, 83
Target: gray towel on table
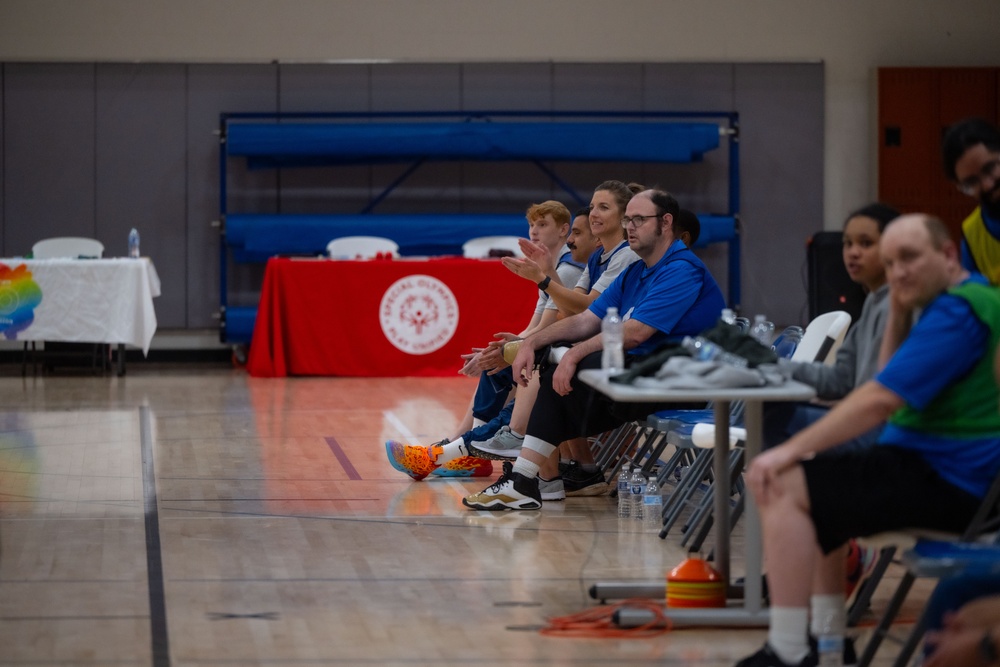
685, 373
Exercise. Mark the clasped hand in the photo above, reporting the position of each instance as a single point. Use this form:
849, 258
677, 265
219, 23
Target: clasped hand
536, 263
490, 358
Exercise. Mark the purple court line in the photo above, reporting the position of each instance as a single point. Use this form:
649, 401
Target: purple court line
341, 455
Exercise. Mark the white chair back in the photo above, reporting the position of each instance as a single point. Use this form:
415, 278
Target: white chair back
479, 247
67, 246
365, 247
823, 337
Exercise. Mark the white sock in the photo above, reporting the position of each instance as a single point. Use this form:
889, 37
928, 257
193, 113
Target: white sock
453, 450
828, 611
787, 635
525, 467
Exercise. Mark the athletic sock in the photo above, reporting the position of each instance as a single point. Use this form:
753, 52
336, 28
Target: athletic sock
525, 467
787, 635
453, 450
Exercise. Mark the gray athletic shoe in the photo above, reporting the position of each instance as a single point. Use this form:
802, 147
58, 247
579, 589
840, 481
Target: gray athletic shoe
505, 445
552, 489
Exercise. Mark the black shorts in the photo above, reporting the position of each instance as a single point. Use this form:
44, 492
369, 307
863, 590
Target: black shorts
879, 489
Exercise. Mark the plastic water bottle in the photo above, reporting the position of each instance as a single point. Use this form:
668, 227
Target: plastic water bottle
637, 488
702, 349
762, 330
133, 243
652, 506
613, 355
728, 316
785, 344
624, 494
830, 649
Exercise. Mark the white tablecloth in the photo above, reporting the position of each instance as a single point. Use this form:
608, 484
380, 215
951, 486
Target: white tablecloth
79, 300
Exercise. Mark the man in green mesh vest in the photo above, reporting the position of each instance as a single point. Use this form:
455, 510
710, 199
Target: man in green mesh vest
935, 460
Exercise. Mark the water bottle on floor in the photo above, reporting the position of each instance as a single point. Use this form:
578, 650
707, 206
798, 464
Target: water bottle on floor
612, 338
830, 647
624, 493
652, 506
637, 487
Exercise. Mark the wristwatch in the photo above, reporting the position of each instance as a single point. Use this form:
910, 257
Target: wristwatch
545, 283
987, 649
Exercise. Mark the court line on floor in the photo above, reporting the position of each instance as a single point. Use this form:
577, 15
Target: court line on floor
398, 424
159, 639
345, 462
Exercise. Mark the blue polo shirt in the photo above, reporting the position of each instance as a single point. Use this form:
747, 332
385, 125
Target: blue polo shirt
677, 296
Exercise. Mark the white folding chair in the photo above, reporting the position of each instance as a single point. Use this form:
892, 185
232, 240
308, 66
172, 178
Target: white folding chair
823, 337
59, 247
363, 247
480, 247
67, 246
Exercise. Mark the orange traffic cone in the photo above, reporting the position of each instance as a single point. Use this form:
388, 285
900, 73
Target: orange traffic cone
695, 583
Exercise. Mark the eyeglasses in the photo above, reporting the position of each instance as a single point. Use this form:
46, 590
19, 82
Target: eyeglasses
972, 185
636, 220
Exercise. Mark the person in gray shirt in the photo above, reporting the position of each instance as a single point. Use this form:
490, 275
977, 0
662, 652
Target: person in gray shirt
857, 358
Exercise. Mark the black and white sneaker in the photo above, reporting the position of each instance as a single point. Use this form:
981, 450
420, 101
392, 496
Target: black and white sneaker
513, 491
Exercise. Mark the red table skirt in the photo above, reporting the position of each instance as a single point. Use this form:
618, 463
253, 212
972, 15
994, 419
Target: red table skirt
382, 318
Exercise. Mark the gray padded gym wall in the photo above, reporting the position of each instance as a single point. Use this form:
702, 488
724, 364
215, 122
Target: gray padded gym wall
48, 153
781, 119
141, 174
96, 149
3, 236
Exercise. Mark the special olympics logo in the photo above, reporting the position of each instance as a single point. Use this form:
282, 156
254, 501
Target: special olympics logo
418, 314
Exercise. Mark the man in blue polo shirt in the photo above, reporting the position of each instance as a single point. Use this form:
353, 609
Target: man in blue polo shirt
934, 461
668, 295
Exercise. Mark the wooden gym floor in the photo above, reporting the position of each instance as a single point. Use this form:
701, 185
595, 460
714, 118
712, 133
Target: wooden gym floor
196, 516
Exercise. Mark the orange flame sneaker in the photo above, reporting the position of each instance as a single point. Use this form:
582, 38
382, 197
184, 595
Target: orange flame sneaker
465, 466
416, 461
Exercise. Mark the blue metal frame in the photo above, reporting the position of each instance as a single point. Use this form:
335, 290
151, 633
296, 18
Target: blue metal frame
732, 134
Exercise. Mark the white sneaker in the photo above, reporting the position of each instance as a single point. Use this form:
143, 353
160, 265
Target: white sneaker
505, 445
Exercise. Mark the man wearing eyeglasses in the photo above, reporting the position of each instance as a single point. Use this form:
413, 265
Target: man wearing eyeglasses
971, 151
666, 296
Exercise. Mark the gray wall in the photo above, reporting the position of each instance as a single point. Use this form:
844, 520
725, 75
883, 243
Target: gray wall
94, 149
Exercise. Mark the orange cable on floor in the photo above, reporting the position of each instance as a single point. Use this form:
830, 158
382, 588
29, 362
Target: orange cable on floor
597, 622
